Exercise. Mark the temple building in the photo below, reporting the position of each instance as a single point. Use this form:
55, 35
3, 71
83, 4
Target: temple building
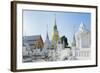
47, 43
83, 37
81, 43
55, 36
33, 41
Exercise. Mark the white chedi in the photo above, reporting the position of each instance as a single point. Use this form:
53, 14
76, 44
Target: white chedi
47, 43
83, 37
81, 44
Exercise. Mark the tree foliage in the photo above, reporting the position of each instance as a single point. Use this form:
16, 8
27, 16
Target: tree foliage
64, 41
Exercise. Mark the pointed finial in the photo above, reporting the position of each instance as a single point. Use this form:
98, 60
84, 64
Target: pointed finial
55, 25
82, 26
54, 19
74, 29
47, 28
47, 31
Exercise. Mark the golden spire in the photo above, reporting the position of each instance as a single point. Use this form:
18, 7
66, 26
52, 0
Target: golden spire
55, 36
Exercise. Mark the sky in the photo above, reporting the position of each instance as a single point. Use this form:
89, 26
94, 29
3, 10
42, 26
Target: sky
39, 22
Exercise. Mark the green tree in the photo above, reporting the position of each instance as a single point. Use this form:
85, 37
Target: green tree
64, 41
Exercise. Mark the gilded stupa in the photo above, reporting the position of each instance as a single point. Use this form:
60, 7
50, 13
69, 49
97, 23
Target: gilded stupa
55, 34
